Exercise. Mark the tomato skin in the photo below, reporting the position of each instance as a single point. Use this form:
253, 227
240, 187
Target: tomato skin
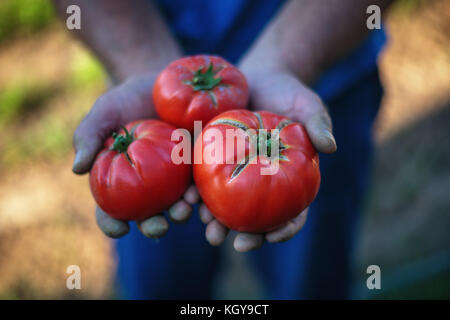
177, 102
150, 185
251, 202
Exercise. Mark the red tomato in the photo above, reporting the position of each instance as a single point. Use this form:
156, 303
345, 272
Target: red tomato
133, 177
198, 88
238, 195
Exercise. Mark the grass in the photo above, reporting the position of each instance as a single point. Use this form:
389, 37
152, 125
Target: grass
50, 140
38, 115
85, 71
406, 7
24, 138
24, 17
17, 100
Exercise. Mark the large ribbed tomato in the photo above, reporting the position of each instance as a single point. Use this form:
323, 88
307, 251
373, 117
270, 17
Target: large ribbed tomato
237, 194
133, 177
198, 88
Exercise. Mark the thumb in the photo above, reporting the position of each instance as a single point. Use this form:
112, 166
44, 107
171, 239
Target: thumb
91, 133
85, 152
319, 129
312, 113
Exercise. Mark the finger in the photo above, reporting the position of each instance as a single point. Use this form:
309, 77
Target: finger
191, 195
289, 230
111, 227
319, 129
91, 133
154, 227
248, 241
180, 212
216, 233
312, 113
205, 215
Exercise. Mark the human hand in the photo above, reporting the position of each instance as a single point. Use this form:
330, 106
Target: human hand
281, 92
120, 105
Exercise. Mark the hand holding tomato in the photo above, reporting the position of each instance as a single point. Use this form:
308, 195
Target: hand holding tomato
134, 177
281, 92
264, 173
125, 103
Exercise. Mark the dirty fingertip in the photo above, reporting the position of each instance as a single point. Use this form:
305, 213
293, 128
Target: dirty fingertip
180, 212
216, 233
154, 227
191, 195
113, 228
205, 215
248, 241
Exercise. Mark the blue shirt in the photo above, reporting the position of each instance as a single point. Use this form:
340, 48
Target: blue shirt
228, 28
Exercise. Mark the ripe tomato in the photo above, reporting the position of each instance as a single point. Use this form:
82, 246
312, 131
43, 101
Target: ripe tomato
237, 194
198, 88
133, 177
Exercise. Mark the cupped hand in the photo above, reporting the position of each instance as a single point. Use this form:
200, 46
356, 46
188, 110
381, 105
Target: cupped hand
124, 103
283, 93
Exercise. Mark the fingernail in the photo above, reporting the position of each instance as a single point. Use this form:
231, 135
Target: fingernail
77, 161
330, 137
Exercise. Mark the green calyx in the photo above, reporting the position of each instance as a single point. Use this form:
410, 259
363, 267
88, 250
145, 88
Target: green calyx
121, 143
204, 80
264, 143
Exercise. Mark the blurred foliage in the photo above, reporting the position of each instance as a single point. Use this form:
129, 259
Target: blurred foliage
85, 70
19, 98
406, 6
49, 140
24, 16
43, 136
434, 287
38, 114
19, 103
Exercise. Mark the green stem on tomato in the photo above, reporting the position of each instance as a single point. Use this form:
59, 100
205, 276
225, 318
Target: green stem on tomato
204, 80
122, 142
267, 143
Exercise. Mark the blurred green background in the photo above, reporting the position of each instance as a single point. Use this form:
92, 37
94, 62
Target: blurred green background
48, 81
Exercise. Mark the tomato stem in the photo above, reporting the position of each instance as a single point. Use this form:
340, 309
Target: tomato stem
121, 143
266, 143
204, 80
